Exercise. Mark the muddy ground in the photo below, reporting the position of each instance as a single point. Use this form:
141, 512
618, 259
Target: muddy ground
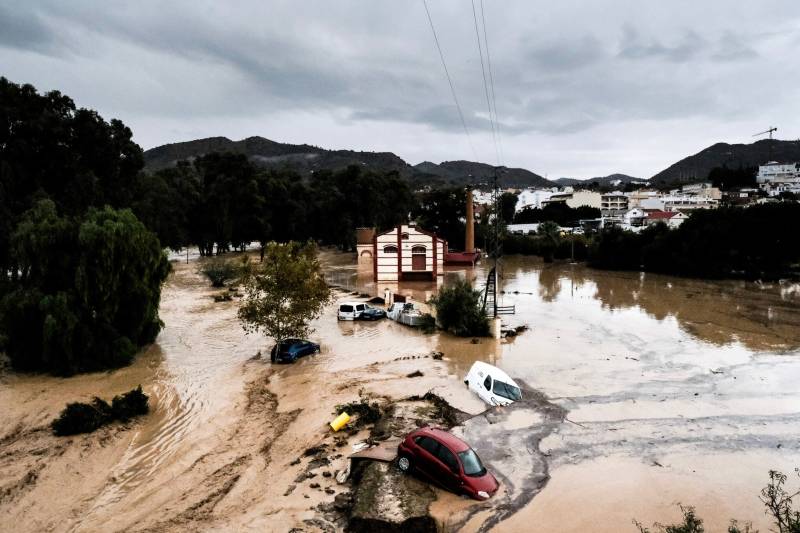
642, 392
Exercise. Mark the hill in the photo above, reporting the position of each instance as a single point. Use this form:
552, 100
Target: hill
305, 159
696, 167
612, 180
302, 158
469, 172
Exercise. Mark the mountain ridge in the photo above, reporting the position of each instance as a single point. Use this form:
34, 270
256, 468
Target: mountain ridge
696, 167
306, 159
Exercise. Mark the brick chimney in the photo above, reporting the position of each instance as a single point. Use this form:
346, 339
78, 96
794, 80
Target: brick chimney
469, 241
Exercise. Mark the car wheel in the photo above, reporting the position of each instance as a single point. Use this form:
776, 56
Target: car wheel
404, 464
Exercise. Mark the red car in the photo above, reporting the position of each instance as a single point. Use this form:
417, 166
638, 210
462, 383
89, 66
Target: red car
447, 460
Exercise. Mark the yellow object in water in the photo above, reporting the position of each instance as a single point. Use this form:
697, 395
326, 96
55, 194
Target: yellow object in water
340, 421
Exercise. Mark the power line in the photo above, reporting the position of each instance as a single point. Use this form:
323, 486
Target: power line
450, 81
485, 82
491, 83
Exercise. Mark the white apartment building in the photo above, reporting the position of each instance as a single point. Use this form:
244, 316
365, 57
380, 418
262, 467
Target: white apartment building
774, 172
534, 198
590, 198
613, 203
685, 202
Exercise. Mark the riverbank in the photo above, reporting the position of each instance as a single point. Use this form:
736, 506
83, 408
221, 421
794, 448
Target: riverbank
671, 391
221, 445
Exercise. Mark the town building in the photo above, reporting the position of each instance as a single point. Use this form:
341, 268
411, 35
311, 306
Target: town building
408, 253
588, 198
634, 217
685, 202
672, 219
774, 172
533, 198
613, 204
636, 198
704, 189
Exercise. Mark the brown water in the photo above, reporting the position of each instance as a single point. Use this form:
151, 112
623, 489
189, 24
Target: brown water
676, 390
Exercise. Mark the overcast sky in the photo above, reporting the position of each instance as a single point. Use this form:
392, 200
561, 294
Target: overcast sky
582, 88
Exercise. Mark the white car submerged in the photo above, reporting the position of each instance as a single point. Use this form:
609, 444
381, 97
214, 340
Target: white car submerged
492, 385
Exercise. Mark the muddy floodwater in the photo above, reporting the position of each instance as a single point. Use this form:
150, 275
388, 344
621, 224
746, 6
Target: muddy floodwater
650, 391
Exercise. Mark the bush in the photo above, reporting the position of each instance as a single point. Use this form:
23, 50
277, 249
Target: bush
459, 310
132, 403
220, 270
78, 417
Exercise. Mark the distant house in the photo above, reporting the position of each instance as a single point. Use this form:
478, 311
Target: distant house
408, 253
672, 219
634, 217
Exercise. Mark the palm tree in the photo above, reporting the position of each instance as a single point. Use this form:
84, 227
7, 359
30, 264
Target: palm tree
550, 235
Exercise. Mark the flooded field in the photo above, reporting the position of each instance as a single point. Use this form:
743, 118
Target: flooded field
671, 390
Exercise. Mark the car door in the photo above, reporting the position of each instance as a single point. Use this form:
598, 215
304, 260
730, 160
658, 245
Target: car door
451, 478
427, 460
359, 310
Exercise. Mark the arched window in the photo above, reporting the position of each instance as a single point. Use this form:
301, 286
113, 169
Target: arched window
418, 250
390, 249
404, 236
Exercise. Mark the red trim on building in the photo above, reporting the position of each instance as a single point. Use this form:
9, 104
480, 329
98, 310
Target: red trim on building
375, 257
435, 256
399, 253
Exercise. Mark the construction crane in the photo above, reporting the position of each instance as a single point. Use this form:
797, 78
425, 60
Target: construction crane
770, 130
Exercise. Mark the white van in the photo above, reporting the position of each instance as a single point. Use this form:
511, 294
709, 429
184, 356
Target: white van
351, 310
492, 385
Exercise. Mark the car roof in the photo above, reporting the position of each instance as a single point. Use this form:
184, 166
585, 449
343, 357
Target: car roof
451, 441
350, 303
496, 373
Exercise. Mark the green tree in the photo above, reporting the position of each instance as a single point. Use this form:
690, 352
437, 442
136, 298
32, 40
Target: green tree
550, 238
459, 310
284, 292
85, 292
508, 206
443, 211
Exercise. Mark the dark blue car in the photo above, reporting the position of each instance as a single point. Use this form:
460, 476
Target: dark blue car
372, 313
289, 350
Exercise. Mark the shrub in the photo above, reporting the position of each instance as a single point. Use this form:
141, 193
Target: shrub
220, 270
459, 310
132, 403
78, 417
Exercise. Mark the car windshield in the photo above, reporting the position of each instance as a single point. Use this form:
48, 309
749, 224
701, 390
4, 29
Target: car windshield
472, 464
507, 390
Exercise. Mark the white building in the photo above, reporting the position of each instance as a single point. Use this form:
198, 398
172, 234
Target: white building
533, 198
688, 203
613, 203
774, 172
408, 253
634, 217
589, 198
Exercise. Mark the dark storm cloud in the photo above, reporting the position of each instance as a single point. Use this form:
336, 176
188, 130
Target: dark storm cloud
24, 30
561, 70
